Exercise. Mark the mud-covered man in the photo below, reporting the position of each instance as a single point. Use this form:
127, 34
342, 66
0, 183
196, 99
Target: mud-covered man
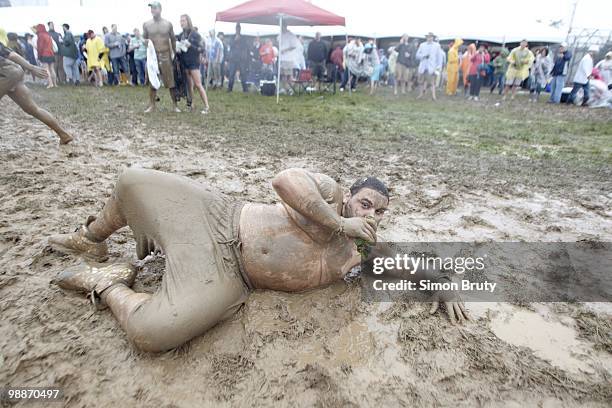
217, 249
160, 32
12, 67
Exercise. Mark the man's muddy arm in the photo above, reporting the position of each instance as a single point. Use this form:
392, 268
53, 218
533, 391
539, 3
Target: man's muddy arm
18, 59
34, 69
299, 190
314, 197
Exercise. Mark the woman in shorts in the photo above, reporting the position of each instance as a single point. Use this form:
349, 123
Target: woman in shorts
191, 58
46, 54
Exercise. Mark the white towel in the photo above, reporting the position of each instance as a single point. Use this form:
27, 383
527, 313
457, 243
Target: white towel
152, 66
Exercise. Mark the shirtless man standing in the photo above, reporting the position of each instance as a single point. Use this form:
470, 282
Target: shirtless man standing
217, 250
12, 67
161, 34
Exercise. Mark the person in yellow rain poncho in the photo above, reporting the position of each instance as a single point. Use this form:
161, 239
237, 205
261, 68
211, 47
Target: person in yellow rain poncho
452, 67
519, 62
465, 65
105, 62
3, 37
95, 48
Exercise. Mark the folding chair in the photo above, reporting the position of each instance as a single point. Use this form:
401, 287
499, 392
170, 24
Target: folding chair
302, 82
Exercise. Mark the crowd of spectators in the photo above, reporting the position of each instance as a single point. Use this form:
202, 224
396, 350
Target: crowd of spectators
115, 58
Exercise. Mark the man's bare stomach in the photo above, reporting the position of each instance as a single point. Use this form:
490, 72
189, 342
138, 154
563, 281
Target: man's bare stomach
279, 252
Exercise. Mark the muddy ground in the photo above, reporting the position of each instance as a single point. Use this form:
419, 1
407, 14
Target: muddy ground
459, 172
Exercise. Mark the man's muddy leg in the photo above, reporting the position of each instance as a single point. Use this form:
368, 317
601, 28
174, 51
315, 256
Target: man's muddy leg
152, 99
22, 97
109, 220
174, 99
122, 301
89, 240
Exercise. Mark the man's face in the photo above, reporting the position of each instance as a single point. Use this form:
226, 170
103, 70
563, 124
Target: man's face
105, 30
561, 49
523, 44
156, 12
429, 39
366, 202
51, 26
114, 28
317, 36
136, 33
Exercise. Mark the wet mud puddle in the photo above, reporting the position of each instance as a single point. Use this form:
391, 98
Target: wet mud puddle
550, 339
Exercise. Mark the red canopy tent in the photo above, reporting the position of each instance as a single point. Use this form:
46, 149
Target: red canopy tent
294, 12
279, 12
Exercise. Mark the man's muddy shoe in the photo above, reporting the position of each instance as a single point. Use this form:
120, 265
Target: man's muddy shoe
77, 243
94, 280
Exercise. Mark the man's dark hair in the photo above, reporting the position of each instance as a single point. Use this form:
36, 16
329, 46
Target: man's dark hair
371, 183
66, 26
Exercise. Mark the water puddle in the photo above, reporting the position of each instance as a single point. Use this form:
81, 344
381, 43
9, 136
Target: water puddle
550, 340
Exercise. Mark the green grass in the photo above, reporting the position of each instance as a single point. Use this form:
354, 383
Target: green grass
514, 129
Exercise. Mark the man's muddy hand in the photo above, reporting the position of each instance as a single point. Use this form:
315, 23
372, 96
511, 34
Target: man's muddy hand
358, 227
39, 72
453, 304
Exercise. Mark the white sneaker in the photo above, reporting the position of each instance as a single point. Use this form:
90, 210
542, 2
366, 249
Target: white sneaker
476, 98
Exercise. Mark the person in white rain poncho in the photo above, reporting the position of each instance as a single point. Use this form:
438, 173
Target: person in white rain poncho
582, 76
540, 74
430, 58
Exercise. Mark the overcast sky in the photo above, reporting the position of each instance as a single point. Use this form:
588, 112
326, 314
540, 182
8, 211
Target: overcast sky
380, 18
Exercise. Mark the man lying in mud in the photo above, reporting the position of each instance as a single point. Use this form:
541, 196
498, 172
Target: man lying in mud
217, 249
12, 76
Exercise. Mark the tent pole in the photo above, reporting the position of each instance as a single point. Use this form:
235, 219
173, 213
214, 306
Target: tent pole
349, 83
280, 51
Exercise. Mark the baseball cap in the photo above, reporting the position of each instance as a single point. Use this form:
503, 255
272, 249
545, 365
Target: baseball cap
155, 4
564, 44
